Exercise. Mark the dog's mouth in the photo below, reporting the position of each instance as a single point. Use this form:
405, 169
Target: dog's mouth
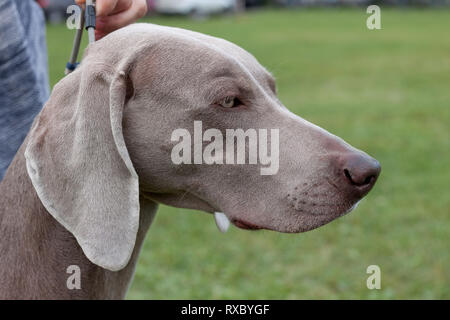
223, 223
246, 225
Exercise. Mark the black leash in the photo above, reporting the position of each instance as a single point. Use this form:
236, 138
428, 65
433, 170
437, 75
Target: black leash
87, 22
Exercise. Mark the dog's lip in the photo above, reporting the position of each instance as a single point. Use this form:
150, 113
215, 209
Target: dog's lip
245, 225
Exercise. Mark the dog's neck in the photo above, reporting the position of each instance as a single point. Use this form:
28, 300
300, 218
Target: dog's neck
36, 250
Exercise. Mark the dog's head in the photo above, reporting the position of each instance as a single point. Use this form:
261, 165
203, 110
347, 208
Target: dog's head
187, 120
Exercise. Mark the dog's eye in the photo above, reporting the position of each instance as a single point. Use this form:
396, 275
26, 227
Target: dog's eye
229, 102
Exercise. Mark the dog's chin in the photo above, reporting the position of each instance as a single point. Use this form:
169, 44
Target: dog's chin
311, 221
302, 223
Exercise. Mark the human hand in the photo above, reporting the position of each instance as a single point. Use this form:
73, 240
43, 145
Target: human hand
115, 14
43, 3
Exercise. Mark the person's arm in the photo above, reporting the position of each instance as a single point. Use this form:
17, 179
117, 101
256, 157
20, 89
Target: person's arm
115, 14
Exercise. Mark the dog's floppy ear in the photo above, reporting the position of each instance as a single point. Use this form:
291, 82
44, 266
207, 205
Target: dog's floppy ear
80, 167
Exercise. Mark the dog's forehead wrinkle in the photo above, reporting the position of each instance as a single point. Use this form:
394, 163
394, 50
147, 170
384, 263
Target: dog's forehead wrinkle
225, 58
235, 68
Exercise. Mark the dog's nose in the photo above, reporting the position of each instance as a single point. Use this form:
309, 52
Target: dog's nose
360, 172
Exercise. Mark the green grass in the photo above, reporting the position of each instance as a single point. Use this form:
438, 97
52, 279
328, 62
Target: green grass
386, 92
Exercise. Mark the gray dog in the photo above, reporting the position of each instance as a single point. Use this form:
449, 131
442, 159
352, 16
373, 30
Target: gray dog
84, 187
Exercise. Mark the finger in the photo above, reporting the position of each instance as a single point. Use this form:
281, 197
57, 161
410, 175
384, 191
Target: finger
81, 3
105, 7
122, 5
111, 23
119, 6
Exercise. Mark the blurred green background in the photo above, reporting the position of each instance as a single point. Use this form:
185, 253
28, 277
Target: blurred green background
384, 91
